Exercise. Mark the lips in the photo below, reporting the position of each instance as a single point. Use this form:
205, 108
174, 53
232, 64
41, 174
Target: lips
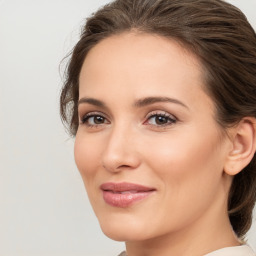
124, 194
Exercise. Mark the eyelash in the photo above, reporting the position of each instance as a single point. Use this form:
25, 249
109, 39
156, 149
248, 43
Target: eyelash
85, 119
170, 119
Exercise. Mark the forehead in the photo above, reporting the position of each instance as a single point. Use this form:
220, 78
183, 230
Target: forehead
140, 65
139, 48
139, 53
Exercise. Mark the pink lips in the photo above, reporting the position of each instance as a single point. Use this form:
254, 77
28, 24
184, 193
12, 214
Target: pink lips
124, 194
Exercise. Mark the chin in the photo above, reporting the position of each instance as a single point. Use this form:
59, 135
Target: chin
124, 230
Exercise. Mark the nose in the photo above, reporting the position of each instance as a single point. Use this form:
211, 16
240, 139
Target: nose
120, 151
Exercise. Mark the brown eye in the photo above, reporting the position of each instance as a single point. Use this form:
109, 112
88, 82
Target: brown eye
161, 119
94, 120
98, 119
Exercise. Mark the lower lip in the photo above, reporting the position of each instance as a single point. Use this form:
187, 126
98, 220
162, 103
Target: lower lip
124, 200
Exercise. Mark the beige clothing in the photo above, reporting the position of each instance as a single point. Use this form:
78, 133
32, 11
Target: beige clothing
243, 250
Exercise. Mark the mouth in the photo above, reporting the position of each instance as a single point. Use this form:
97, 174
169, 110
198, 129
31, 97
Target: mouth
124, 194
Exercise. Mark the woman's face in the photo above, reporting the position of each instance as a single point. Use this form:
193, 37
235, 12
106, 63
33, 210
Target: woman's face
148, 146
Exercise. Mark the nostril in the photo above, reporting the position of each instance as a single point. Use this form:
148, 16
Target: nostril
124, 166
118, 168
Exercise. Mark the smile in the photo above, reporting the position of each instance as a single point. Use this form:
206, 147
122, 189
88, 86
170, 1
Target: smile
124, 194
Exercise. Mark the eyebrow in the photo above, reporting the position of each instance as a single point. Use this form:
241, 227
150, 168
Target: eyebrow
138, 103
151, 100
92, 101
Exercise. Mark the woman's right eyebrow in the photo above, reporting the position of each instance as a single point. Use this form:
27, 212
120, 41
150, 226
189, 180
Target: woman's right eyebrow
92, 101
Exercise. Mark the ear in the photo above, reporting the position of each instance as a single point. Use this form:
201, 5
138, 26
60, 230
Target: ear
243, 139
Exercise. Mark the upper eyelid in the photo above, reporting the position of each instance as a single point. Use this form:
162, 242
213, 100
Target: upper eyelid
88, 105
161, 112
93, 113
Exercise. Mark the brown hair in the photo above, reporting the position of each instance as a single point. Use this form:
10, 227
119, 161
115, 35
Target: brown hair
215, 31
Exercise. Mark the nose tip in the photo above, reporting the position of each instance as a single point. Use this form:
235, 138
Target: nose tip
120, 154
118, 160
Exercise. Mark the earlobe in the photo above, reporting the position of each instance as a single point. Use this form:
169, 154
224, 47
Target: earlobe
243, 146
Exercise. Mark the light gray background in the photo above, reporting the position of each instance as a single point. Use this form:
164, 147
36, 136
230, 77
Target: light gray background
44, 210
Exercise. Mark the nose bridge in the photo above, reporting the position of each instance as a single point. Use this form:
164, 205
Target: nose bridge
120, 150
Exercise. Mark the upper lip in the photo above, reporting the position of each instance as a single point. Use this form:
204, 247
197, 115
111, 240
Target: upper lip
125, 186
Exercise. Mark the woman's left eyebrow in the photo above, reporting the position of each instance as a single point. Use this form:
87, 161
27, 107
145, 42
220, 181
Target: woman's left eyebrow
151, 100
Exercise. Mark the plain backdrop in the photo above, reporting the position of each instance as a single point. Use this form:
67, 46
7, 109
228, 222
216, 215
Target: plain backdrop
44, 210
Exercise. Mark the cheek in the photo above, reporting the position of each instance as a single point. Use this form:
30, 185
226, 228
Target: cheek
87, 155
87, 158
186, 159
189, 171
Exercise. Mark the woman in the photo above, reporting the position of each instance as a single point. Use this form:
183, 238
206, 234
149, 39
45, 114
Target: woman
161, 97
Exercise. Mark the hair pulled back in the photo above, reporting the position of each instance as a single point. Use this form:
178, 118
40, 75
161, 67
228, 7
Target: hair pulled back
225, 43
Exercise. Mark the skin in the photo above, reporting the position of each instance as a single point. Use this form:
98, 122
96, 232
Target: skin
183, 158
